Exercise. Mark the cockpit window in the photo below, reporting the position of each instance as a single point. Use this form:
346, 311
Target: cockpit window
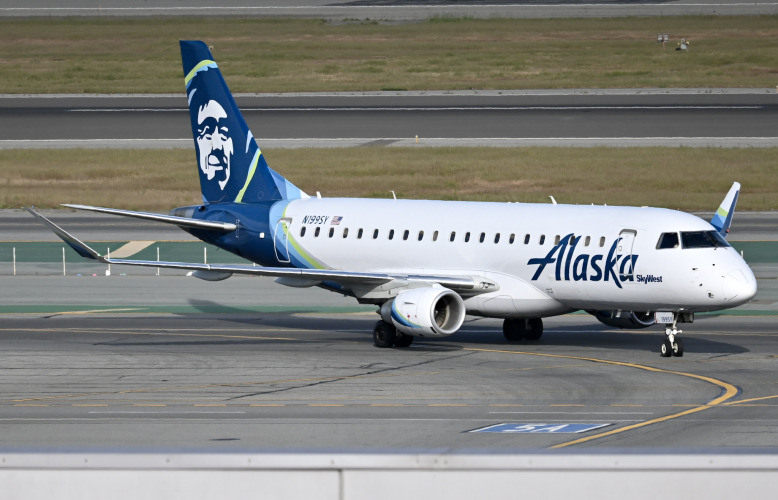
667, 240
703, 239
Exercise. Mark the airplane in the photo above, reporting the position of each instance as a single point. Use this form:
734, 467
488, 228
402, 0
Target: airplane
426, 264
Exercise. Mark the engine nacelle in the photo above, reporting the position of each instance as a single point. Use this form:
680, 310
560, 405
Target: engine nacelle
625, 319
427, 311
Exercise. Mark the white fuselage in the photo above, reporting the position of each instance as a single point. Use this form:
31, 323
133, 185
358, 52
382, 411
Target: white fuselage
547, 259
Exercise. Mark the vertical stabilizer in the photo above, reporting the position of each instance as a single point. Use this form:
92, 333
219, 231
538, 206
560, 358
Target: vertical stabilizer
232, 167
722, 219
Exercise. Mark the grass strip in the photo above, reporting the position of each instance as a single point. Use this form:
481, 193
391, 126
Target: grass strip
112, 55
157, 180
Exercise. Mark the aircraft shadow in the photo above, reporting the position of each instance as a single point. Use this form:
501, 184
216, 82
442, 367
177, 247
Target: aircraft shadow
586, 334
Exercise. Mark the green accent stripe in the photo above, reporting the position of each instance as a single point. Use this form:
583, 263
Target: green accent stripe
313, 262
253, 169
198, 67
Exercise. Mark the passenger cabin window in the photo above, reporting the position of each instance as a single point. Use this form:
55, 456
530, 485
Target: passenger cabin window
482, 238
391, 234
345, 232
702, 239
332, 232
316, 232
556, 240
375, 234
359, 234
467, 236
542, 238
302, 231
453, 236
435, 236
421, 235
405, 234
587, 241
667, 240
526, 239
497, 238
512, 238
602, 241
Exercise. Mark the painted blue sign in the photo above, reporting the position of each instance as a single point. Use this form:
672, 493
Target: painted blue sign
540, 428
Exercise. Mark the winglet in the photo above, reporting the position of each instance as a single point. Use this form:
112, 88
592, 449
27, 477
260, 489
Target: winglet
79, 246
722, 219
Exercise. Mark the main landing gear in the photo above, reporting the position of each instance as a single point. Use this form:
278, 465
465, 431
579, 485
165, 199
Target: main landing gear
672, 346
386, 335
522, 328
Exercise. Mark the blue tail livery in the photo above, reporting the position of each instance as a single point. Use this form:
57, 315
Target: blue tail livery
232, 167
425, 264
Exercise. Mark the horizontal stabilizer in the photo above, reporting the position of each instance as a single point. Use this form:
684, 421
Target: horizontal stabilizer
463, 284
168, 219
79, 246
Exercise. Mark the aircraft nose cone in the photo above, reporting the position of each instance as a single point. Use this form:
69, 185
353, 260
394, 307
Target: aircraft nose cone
741, 285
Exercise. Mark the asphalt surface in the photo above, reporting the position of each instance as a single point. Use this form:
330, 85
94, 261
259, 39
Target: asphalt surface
721, 117
175, 363
305, 376
386, 10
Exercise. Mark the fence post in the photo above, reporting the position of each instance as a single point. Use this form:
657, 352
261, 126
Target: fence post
64, 273
157, 260
14, 259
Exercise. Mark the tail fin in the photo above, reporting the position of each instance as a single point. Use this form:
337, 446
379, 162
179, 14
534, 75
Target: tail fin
722, 219
232, 167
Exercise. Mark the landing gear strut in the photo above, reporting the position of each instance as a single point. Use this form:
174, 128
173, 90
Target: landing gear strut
516, 329
672, 346
386, 335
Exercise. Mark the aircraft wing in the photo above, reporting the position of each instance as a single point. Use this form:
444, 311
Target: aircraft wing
722, 219
466, 284
169, 219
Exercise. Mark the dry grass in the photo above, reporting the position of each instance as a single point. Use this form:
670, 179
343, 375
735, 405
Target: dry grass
157, 180
125, 55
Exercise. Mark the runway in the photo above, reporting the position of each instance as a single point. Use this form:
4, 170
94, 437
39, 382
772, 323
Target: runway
702, 117
317, 382
385, 10
174, 363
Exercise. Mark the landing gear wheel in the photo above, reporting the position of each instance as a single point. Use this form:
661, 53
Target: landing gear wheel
384, 334
403, 340
667, 349
673, 346
678, 348
514, 329
534, 329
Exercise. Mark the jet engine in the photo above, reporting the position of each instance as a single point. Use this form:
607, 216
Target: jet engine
429, 311
625, 319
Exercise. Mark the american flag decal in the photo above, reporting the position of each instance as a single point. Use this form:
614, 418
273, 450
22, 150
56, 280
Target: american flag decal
336, 220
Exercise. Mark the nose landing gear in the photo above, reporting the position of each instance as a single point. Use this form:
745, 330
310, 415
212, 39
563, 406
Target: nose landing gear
672, 346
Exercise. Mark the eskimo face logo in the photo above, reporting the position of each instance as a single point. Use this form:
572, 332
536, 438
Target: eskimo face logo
214, 143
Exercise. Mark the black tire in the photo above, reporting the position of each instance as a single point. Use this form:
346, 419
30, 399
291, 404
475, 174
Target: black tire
403, 340
514, 329
534, 329
384, 334
678, 348
666, 350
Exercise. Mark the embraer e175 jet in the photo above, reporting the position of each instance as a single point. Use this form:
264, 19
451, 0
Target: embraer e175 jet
426, 264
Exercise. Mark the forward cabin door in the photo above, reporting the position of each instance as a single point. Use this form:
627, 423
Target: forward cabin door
627, 261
